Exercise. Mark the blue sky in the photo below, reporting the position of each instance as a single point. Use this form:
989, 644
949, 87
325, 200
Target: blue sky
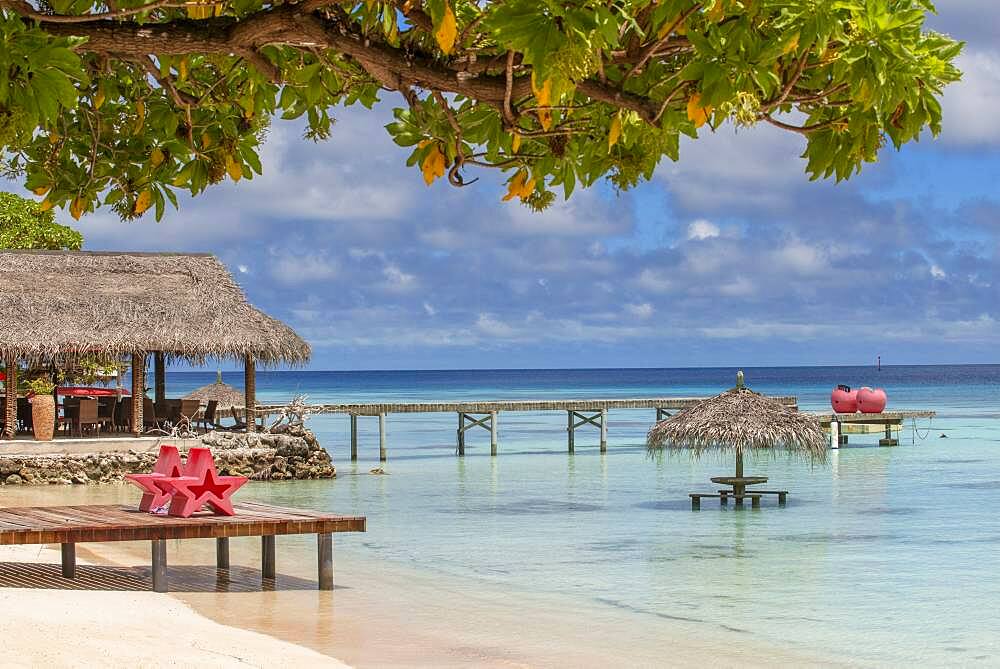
728, 257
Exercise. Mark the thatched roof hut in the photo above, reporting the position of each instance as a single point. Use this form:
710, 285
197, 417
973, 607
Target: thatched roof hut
217, 391
57, 306
743, 421
61, 303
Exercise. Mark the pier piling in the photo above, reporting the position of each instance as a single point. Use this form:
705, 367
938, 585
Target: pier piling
354, 437
381, 438
598, 419
486, 420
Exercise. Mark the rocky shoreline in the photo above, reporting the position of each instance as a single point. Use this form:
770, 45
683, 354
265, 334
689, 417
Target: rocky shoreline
287, 453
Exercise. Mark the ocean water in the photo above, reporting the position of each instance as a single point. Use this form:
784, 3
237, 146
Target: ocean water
883, 556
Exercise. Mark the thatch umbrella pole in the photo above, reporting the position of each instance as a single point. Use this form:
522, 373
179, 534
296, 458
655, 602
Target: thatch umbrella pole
138, 391
250, 390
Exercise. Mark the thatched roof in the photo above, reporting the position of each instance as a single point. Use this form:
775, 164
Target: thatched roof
739, 420
223, 393
64, 303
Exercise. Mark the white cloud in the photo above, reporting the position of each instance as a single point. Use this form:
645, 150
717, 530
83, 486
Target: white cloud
641, 311
702, 229
429, 309
290, 267
937, 272
971, 106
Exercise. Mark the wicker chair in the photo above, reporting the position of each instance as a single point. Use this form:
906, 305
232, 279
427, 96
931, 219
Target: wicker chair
150, 419
188, 411
88, 415
207, 419
122, 415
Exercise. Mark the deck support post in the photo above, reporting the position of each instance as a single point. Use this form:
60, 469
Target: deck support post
69, 560
493, 433
486, 420
888, 440
159, 376
354, 437
267, 559
10, 406
159, 565
834, 434
250, 390
382, 456
604, 430
222, 552
138, 391
324, 550
598, 419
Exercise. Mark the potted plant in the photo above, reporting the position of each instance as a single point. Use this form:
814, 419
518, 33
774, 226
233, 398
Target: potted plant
43, 407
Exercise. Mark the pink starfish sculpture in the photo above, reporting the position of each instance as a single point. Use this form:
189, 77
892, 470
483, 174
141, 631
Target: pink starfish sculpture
167, 464
200, 486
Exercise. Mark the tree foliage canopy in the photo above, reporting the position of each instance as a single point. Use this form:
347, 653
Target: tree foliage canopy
23, 225
124, 102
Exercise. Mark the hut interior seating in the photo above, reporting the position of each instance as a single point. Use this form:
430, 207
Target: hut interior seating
24, 414
70, 411
87, 414
106, 411
150, 418
122, 415
207, 418
188, 411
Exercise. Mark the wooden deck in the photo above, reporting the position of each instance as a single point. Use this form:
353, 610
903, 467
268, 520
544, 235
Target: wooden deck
69, 525
888, 419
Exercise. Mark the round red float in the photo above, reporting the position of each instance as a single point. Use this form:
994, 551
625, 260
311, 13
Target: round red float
871, 401
844, 400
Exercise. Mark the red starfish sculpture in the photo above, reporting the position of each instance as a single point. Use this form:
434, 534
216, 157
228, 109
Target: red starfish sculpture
167, 464
200, 486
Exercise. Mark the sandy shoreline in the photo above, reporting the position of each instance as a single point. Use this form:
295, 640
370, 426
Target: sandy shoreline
42, 627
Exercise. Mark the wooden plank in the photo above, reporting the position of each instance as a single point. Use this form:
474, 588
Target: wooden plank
76, 524
483, 407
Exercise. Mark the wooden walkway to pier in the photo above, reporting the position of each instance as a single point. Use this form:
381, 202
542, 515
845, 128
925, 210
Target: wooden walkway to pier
579, 412
889, 419
70, 525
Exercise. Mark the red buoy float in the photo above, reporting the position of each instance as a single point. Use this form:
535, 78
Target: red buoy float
871, 401
844, 400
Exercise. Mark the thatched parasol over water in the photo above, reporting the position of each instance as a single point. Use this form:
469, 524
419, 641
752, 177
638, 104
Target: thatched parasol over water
742, 421
223, 393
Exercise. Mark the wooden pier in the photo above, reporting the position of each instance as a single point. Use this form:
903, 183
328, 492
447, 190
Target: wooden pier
889, 419
69, 525
486, 415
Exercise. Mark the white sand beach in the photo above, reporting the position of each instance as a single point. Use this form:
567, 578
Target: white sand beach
61, 628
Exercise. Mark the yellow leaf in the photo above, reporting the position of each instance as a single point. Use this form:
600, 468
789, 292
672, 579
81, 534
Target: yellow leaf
792, 45
182, 69
717, 12
615, 132
140, 116
143, 202
206, 140
199, 11
665, 28
41, 190
527, 189
433, 165
545, 118
543, 93
515, 185
99, 97
76, 207
407, 6
447, 30
156, 157
696, 113
46, 205
515, 143
53, 137
233, 168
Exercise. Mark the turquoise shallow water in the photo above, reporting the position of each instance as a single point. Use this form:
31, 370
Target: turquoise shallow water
883, 556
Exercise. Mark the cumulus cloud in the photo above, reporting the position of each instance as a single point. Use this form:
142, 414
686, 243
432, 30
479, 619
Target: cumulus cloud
970, 106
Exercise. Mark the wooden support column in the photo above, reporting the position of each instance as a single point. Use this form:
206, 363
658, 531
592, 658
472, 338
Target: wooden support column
381, 438
250, 393
138, 391
324, 546
661, 414
69, 560
10, 408
354, 438
834, 434
461, 433
267, 559
222, 552
159, 550
493, 433
604, 430
159, 376
570, 430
